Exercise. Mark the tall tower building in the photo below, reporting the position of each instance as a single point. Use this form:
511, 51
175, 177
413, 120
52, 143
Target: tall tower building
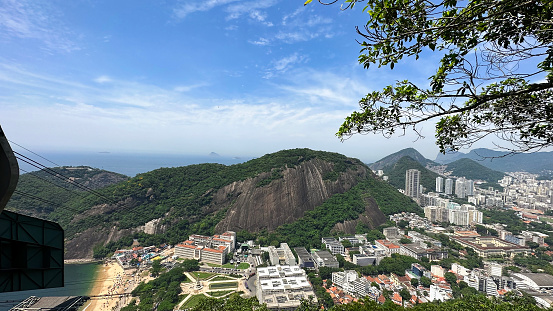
469, 187
460, 191
412, 183
449, 186
439, 184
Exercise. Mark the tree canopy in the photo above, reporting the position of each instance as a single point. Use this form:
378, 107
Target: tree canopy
495, 76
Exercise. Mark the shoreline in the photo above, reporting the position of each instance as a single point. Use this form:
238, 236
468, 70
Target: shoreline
109, 281
80, 261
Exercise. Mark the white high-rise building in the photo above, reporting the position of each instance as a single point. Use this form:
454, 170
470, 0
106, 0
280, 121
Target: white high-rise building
439, 184
469, 187
464, 187
412, 183
460, 188
449, 186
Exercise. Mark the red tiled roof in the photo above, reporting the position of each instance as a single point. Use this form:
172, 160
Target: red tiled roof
187, 246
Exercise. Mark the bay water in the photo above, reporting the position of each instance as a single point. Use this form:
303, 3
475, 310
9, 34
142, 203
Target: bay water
79, 281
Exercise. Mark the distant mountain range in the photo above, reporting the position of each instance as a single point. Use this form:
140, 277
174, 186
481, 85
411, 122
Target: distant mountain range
395, 165
537, 162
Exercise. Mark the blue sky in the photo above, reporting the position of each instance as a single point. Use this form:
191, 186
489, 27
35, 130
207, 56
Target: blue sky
239, 78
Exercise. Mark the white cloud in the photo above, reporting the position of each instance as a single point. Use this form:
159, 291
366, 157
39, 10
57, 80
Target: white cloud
23, 19
103, 79
187, 7
260, 41
299, 26
133, 116
284, 64
247, 8
188, 88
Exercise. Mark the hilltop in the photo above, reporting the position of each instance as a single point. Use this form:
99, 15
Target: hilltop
393, 158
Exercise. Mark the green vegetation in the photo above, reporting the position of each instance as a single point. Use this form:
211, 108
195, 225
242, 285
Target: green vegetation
233, 303
242, 265
52, 189
194, 301
202, 275
465, 104
396, 174
220, 278
223, 285
470, 169
163, 291
220, 293
469, 302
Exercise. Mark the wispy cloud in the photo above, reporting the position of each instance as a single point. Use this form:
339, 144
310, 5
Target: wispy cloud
260, 41
103, 79
188, 88
184, 8
23, 19
299, 26
284, 64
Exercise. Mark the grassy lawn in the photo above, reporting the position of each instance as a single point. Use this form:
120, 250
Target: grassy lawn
223, 285
202, 275
220, 278
212, 264
187, 280
242, 265
219, 293
192, 302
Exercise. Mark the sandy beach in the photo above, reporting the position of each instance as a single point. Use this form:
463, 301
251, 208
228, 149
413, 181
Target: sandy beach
110, 280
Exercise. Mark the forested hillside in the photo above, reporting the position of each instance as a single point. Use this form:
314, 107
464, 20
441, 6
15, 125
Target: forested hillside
51, 187
471, 169
310, 190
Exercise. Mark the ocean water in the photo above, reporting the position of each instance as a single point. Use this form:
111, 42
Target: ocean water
123, 163
79, 280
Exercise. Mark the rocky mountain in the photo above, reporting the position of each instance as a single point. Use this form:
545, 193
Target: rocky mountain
390, 160
537, 162
294, 195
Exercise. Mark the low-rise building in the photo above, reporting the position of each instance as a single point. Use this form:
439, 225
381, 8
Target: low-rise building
324, 259
283, 287
365, 260
334, 246
282, 255
212, 249
304, 258
390, 247
418, 252
491, 246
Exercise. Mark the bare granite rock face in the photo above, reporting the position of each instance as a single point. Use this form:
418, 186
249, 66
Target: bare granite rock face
284, 200
372, 218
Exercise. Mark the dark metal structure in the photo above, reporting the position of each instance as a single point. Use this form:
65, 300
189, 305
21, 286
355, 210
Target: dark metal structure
31, 249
